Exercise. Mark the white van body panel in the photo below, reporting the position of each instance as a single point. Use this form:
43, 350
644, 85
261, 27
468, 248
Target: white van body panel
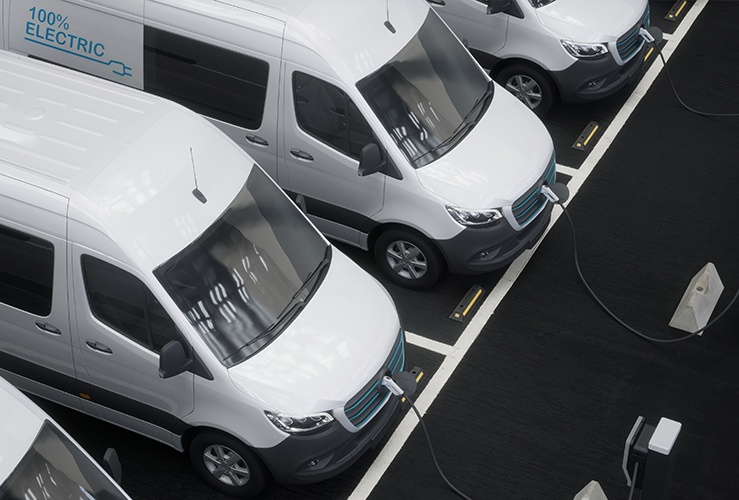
19, 425
588, 21
468, 179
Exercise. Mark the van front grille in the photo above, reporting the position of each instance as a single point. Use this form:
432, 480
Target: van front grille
631, 42
528, 206
366, 403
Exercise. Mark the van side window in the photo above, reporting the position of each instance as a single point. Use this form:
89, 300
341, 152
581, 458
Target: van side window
326, 112
26, 271
122, 301
215, 82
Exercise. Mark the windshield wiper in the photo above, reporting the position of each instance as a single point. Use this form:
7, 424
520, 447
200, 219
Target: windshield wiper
467, 123
297, 302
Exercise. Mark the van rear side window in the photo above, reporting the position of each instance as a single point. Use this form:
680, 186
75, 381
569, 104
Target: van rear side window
122, 302
26, 271
215, 82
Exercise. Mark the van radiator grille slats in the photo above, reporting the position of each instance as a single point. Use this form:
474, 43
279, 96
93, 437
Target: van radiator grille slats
631, 42
367, 402
528, 206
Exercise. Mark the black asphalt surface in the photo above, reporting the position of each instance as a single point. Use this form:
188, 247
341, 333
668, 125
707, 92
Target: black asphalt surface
545, 397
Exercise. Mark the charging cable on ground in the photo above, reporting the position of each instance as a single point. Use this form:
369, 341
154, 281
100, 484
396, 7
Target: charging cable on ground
557, 193
653, 35
388, 382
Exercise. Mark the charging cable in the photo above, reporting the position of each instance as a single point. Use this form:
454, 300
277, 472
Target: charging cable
649, 38
550, 194
388, 382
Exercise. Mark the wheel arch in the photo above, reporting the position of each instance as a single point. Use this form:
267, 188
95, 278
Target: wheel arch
501, 64
189, 435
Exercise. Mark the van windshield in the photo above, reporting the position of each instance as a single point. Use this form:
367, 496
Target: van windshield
54, 467
430, 95
247, 277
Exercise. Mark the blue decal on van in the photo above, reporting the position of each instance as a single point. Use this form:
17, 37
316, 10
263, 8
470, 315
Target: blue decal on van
51, 30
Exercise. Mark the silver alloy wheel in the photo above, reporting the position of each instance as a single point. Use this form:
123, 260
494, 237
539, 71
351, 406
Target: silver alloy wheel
226, 465
526, 89
406, 259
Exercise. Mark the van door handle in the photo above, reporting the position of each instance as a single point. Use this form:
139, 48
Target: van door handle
301, 155
255, 139
97, 346
436, 2
45, 327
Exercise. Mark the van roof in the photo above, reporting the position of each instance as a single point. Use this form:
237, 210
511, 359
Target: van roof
126, 161
57, 127
351, 36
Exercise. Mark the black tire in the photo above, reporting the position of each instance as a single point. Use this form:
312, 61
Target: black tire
531, 85
408, 259
227, 465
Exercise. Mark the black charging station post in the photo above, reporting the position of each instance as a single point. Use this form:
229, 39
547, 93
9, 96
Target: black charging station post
649, 458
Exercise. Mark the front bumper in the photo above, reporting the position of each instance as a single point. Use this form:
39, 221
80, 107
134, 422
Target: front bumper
314, 458
478, 251
587, 81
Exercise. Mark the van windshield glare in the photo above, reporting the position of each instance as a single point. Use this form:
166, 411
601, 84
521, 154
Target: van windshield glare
425, 94
241, 282
54, 467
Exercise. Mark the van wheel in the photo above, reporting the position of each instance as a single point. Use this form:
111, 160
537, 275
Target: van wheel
531, 85
227, 465
408, 259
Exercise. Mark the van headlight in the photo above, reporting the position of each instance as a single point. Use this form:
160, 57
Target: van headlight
585, 50
300, 425
487, 217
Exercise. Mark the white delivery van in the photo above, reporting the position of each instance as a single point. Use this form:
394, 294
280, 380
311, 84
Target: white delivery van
153, 276
39, 460
371, 115
545, 50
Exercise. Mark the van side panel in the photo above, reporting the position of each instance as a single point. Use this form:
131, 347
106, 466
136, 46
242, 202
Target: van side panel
213, 60
98, 41
35, 335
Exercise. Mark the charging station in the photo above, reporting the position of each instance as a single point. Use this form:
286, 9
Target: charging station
649, 458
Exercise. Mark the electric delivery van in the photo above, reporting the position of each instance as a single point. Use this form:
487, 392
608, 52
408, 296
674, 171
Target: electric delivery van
371, 115
155, 277
545, 50
39, 460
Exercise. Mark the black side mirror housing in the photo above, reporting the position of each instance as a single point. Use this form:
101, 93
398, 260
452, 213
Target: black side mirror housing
173, 360
112, 465
370, 160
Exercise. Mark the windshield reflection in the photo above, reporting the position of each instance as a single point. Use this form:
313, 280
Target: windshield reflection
423, 95
55, 468
240, 282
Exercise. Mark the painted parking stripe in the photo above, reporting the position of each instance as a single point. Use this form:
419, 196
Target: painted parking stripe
438, 380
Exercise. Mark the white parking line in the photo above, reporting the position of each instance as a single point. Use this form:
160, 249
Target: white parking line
486, 310
431, 345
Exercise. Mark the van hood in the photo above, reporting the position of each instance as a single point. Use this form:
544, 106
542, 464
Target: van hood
330, 351
591, 20
502, 157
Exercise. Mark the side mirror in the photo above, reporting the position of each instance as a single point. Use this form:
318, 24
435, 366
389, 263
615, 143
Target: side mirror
173, 360
112, 465
370, 160
495, 6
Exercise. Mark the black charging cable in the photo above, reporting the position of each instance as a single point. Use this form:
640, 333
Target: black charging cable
388, 382
551, 195
650, 38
